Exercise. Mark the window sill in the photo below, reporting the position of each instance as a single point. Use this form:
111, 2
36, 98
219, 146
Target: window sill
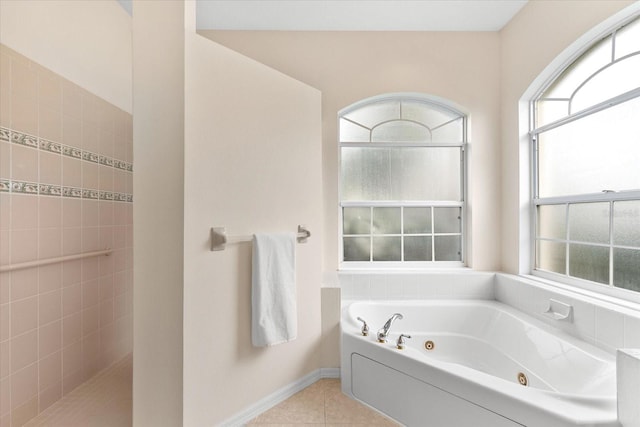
370, 267
607, 294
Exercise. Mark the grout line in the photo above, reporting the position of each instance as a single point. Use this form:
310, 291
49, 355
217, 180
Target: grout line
324, 408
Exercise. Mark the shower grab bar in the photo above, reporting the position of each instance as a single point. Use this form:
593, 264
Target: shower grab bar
219, 238
29, 264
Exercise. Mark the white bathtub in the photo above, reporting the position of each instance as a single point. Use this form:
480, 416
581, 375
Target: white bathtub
471, 377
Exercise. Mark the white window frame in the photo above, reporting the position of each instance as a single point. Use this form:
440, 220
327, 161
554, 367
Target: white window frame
438, 103
577, 49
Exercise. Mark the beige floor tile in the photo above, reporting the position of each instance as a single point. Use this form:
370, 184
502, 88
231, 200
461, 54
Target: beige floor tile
288, 425
306, 406
105, 401
326, 384
340, 409
302, 409
353, 425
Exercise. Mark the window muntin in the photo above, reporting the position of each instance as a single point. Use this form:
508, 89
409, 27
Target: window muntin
586, 172
402, 233
401, 182
604, 71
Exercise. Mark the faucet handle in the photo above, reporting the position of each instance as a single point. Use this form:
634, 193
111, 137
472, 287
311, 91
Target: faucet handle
400, 343
365, 327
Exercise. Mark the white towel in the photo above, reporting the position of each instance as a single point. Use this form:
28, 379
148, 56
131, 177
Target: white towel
273, 294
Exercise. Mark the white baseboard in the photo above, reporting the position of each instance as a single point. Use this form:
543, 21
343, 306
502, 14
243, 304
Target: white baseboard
329, 372
278, 396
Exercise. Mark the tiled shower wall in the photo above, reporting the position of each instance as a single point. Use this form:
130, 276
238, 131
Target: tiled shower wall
65, 188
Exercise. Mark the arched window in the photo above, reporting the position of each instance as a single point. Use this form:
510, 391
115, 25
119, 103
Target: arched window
586, 165
402, 182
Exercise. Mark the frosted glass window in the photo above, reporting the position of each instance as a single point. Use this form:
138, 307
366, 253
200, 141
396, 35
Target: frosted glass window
400, 131
619, 78
551, 256
447, 248
417, 220
627, 39
591, 61
356, 220
596, 153
373, 114
426, 114
589, 262
552, 221
586, 174
417, 248
386, 249
550, 110
366, 173
402, 165
401, 121
426, 173
451, 132
386, 221
626, 223
409, 173
447, 220
606, 70
626, 268
589, 222
356, 248
352, 132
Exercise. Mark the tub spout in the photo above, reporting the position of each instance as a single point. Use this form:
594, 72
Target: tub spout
384, 331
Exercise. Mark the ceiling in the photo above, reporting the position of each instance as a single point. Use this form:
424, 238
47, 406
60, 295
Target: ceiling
356, 15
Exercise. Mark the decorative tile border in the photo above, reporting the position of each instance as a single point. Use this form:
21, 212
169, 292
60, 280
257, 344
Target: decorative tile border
27, 140
23, 187
72, 192
90, 157
51, 146
72, 152
50, 190
5, 134
24, 139
33, 188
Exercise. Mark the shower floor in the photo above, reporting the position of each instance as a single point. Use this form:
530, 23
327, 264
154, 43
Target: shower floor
102, 401
105, 401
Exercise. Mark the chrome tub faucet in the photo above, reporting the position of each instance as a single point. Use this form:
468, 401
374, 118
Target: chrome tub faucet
384, 331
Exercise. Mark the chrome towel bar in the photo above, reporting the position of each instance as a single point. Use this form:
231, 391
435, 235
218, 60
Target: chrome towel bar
219, 238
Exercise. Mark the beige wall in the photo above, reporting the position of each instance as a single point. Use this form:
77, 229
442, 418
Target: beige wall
540, 32
253, 164
158, 131
87, 42
350, 66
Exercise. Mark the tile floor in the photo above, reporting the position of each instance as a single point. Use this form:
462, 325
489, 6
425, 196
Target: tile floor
105, 401
321, 404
